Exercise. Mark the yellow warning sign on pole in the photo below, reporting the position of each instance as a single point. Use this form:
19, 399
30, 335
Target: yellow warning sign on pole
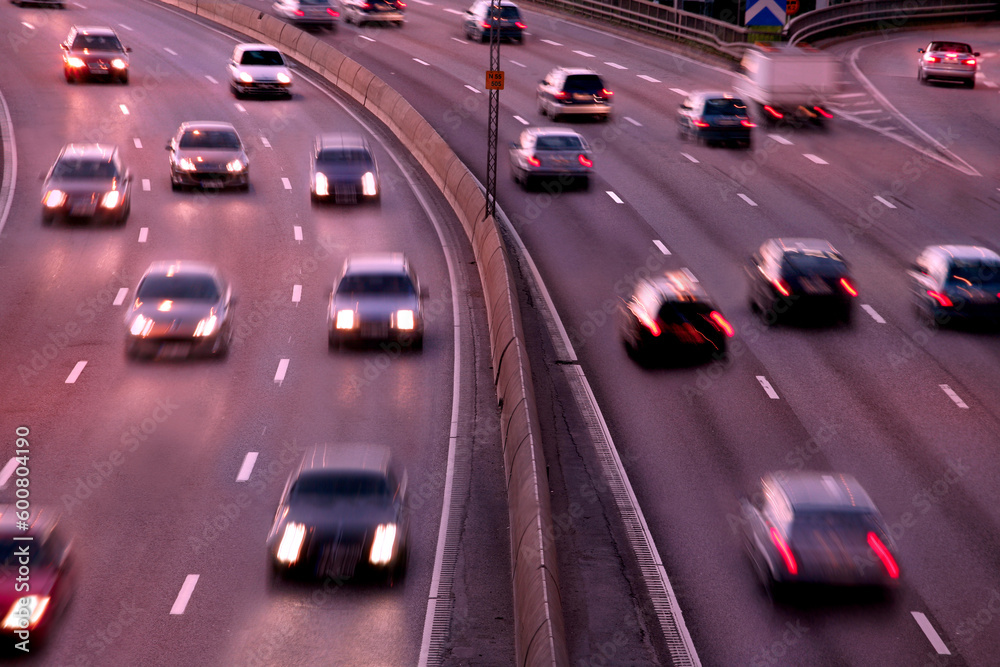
494, 79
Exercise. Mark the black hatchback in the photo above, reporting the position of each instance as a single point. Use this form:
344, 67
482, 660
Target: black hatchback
957, 283
714, 116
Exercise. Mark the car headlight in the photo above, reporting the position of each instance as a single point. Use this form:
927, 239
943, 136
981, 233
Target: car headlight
26, 612
75, 62
206, 327
54, 198
345, 319
236, 165
404, 320
368, 188
141, 326
384, 544
284, 78
119, 63
322, 184
245, 77
111, 199
187, 164
291, 543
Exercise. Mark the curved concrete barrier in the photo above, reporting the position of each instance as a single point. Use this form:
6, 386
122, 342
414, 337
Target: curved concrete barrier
538, 621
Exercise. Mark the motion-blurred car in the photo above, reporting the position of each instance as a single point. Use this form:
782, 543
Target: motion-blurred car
805, 527
342, 514
87, 181
180, 309
574, 91
953, 283
259, 69
36, 606
377, 298
947, 61
343, 169
714, 116
801, 277
95, 52
546, 153
361, 12
208, 154
669, 317
478, 22
308, 13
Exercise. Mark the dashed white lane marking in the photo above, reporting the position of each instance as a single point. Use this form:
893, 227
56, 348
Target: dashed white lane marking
287, 183
267, 144
514, 62
690, 157
143, 234
549, 41
871, 311
474, 89
691, 276
679, 91
659, 244
145, 185
27, 25
297, 232
170, 51
296, 293
747, 199
418, 60
450, 11
584, 54
124, 109
932, 636
460, 41
953, 396
120, 297
882, 200
138, 142
849, 95
768, 389
866, 112
75, 373
125, 26
521, 120
989, 84
615, 198
369, 39
79, 5
240, 107
814, 158
616, 65
646, 77
633, 121
7, 471
423, 2
279, 377
780, 139
211, 79
187, 588
247, 467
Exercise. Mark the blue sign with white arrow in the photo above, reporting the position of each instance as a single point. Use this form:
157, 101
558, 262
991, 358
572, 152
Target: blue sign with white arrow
764, 12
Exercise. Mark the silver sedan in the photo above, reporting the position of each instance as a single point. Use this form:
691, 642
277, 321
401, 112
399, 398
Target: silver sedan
550, 153
949, 61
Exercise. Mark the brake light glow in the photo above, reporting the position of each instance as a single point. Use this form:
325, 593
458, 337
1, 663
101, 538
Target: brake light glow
534, 162
823, 112
299, 12
487, 25
722, 323
585, 161
884, 555
748, 123
520, 25
969, 61
932, 59
848, 287
786, 553
774, 112
560, 95
400, 4
606, 93
646, 320
698, 122
332, 12
781, 286
941, 298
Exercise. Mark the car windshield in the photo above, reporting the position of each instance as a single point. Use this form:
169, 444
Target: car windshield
374, 283
76, 168
339, 156
97, 43
210, 139
813, 263
950, 46
984, 275
179, 287
509, 13
330, 487
590, 84
262, 58
562, 142
725, 106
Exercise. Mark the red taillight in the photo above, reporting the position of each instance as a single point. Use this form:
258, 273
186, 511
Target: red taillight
367, 5
823, 112
698, 122
969, 61
647, 321
848, 287
748, 123
941, 298
299, 12
332, 12
520, 25
722, 323
585, 161
782, 287
884, 555
560, 95
400, 4
534, 162
774, 112
487, 25
932, 59
606, 93
786, 553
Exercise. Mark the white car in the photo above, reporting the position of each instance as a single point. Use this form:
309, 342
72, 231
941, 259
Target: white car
259, 69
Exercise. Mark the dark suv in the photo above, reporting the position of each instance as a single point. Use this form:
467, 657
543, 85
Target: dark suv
574, 91
94, 52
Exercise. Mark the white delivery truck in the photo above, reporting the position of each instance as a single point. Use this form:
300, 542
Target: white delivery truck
789, 82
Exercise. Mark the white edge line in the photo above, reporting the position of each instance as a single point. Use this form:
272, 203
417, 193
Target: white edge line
187, 588
247, 467
932, 636
120, 297
9, 158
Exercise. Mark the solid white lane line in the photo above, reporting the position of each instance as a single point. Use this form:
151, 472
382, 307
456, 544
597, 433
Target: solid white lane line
187, 589
137, 142
679, 91
584, 54
659, 244
7, 471
646, 77
690, 157
170, 51
932, 636
450, 11
747, 199
279, 377
267, 144
247, 467
885, 201
780, 139
124, 109
521, 120
367, 38
616, 65
120, 297
145, 185
287, 183
296, 293
125, 26
953, 396
813, 158
514, 62
211, 78
27, 25
297, 232
615, 198
549, 41
871, 311
768, 389
691, 276
633, 121
143, 234
418, 60
75, 373
473, 89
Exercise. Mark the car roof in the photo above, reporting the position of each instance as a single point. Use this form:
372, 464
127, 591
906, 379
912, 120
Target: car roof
347, 458
385, 262
570, 71
329, 140
806, 245
256, 46
207, 125
182, 267
712, 94
89, 151
963, 252
41, 522
808, 491
552, 131
94, 30
679, 285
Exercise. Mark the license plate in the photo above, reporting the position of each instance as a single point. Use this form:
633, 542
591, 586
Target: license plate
815, 286
727, 122
212, 183
83, 209
175, 350
580, 97
98, 69
560, 161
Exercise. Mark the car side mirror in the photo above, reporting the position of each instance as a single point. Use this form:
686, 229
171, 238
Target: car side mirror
64, 47
920, 50
976, 54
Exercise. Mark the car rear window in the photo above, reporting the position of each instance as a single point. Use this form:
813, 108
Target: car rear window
376, 284
210, 139
340, 486
193, 288
97, 43
261, 58
813, 263
334, 156
673, 312
978, 274
834, 520
73, 168
725, 106
565, 142
950, 46
583, 83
